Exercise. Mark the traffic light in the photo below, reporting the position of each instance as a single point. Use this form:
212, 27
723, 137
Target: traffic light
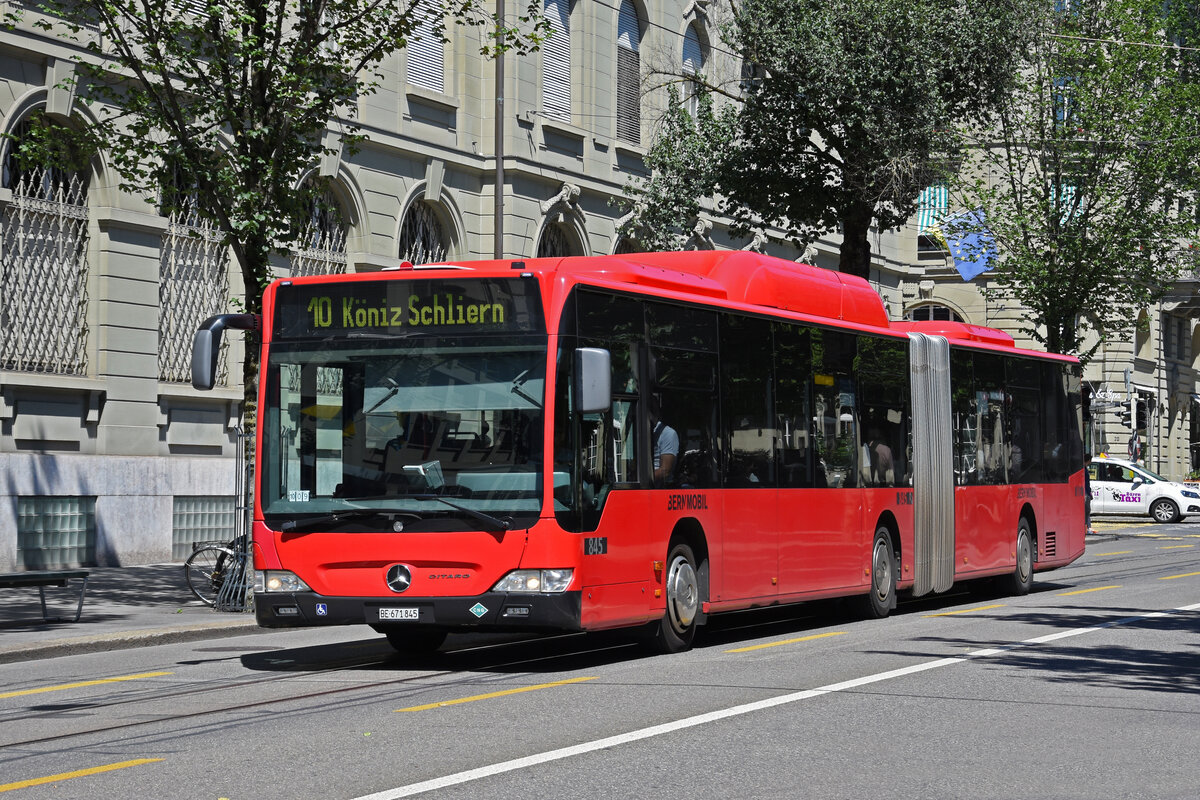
1142, 410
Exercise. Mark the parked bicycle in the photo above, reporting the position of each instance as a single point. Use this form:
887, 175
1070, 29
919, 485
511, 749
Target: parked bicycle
209, 566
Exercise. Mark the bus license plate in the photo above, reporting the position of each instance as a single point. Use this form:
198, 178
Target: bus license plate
410, 612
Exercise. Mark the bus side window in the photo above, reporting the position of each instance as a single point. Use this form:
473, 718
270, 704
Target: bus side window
748, 432
793, 367
883, 390
835, 408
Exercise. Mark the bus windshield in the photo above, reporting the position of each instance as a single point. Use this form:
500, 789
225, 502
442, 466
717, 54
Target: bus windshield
391, 434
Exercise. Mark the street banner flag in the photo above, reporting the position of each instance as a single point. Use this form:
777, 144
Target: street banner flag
971, 243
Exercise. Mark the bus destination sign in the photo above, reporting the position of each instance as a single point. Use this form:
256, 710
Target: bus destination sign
394, 307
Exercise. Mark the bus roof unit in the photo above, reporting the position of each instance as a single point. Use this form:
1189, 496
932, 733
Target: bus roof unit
745, 277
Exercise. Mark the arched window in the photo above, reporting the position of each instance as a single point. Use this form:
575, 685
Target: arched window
556, 61
693, 64
555, 242
43, 269
422, 237
932, 312
193, 280
626, 245
629, 74
321, 248
426, 49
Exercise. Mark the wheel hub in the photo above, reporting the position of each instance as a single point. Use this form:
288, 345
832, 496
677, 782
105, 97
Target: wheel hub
683, 593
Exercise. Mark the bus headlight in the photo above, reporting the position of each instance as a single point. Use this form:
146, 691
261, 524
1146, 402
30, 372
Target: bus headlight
534, 581
278, 580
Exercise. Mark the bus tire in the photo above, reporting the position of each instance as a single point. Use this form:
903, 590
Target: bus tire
881, 598
676, 630
413, 641
1021, 579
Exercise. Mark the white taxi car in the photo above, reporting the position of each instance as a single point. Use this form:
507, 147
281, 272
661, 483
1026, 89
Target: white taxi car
1121, 487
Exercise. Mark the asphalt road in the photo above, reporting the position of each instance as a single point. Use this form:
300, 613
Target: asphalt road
1089, 687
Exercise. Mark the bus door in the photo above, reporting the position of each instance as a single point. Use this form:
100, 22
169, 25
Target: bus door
596, 476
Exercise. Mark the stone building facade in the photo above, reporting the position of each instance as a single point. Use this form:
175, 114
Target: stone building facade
109, 457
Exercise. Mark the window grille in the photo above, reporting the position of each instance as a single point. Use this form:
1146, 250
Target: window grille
629, 74
56, 532
426, 49
693, 64
193, 286
554, 242
422, 238
556, 62
321, 248
200, 518
43, 267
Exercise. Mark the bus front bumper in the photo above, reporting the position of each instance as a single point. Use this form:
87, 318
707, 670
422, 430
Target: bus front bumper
494, 611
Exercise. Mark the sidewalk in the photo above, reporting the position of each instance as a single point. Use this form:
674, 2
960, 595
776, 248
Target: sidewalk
124, 607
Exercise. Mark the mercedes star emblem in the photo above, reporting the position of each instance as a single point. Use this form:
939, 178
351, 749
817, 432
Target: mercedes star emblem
399, 578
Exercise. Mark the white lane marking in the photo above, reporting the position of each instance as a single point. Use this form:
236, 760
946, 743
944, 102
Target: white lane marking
457, 778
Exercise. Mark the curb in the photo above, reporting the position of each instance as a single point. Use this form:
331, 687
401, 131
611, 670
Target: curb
123, 640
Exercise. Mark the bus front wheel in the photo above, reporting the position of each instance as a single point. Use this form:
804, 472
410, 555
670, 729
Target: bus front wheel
677, 628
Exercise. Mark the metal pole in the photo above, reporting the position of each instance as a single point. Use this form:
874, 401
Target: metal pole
498, 217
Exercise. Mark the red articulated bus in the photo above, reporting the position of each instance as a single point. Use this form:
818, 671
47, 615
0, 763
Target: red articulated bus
638, 440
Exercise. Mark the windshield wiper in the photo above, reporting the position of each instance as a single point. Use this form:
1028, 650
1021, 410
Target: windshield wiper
519, 382
338, 516
502, 524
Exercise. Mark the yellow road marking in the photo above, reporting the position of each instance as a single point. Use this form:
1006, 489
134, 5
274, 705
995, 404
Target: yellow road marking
963, 611
1085, 591
785, 641
80, 684
79, 773
1116, 553
1185, 575
1176, 546
491, 695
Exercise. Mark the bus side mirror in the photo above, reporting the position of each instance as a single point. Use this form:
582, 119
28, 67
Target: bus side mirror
593, 380
206, 345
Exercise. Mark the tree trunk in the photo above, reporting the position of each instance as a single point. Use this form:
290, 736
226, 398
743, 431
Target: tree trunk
856, 248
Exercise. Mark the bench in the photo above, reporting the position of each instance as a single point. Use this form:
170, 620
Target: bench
44, 578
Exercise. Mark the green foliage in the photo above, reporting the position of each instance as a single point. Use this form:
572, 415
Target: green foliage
846, 117
682, 161
852, 114
1088, 179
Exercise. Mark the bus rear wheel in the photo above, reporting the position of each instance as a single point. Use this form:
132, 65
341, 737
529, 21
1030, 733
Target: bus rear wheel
1021, 579
676, 630
882, 598
413, 641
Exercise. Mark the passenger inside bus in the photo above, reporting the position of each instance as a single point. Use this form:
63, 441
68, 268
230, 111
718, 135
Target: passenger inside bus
665, 443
